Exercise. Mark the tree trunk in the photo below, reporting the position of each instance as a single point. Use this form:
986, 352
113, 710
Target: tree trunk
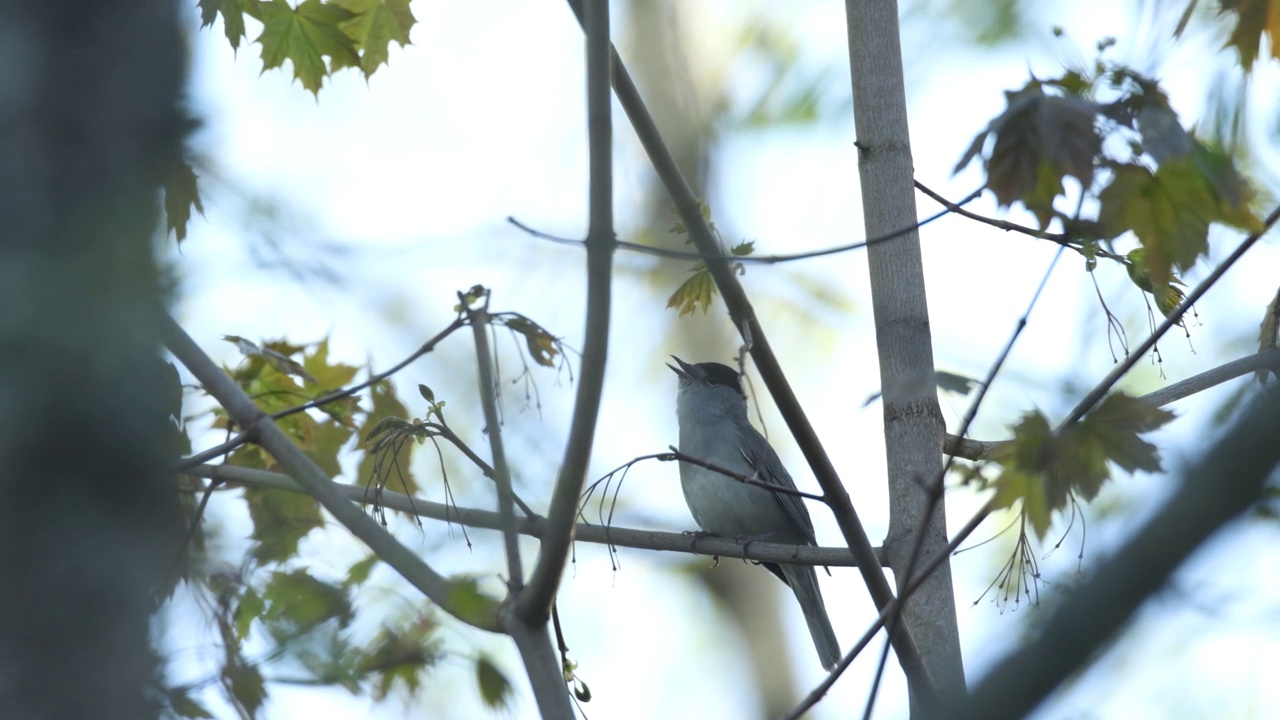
88, 107
913, 421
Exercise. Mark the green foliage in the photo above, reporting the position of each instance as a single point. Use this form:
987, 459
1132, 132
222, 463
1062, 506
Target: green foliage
1043, 469
698, 290
468, 604
180, 196
1113, 131
296, 603
348, 33
495, 690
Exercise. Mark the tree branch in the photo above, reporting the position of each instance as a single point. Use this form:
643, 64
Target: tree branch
479, 321
1060, 238
534, 604
970, 449
743, 316
673, 254
1224, 483
536, 526
218, 384
426, 347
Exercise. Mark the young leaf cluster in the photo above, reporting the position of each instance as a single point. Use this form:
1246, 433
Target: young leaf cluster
318, 37
697, 291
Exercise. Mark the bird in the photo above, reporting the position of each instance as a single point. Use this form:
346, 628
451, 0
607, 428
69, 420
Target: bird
711, 410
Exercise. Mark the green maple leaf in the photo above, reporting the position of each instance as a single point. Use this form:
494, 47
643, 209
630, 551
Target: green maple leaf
280, 519
374, 25
305, 36
180, 195
232, 12
695, 292
1169, 211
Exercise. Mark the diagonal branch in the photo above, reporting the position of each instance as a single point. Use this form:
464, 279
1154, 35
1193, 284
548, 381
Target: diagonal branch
535, 602
743, 316
218, 384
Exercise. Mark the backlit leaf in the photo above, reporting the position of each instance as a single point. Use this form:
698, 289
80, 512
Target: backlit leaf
305, 36
374, 25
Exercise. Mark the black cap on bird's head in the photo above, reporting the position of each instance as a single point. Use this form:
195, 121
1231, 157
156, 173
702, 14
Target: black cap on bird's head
707, 373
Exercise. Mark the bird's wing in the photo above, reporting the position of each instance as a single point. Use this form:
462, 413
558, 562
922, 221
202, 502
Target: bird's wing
762, 458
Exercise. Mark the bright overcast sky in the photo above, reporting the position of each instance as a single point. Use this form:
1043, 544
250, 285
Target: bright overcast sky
406, 182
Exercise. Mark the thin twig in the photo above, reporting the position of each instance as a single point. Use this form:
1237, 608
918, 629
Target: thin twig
1060, 238
478, 318
426, 347
673, 254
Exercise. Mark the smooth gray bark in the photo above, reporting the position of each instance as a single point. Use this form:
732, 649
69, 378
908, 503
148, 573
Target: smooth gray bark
913, 421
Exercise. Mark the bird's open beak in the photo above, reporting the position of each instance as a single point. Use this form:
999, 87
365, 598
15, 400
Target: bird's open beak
684, 370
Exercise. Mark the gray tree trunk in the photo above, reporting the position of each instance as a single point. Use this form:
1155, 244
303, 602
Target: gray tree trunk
88, 129
913, 421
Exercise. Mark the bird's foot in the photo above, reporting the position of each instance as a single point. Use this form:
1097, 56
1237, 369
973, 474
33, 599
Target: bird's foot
746, 540
695, 536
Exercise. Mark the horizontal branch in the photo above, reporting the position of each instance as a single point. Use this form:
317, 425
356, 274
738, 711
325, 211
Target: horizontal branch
535, 526
671, 254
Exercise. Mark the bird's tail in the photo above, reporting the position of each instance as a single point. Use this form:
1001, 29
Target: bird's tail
804, 583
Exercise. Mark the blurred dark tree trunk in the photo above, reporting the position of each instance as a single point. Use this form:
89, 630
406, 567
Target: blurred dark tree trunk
89, 128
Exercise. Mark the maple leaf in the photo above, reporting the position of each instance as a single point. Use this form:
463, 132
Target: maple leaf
374, 25
180, 195
232, 12
1039, 140
305, 36
1169, 211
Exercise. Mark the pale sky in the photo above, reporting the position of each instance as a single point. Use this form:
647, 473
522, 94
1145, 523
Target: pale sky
407, 180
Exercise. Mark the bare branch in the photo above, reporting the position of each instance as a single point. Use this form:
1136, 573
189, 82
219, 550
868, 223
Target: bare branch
673, 254
427, 347
1060, 238
742, 313
534, 604
218, 384
205, 456
536, 526
746, 479
479, 321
